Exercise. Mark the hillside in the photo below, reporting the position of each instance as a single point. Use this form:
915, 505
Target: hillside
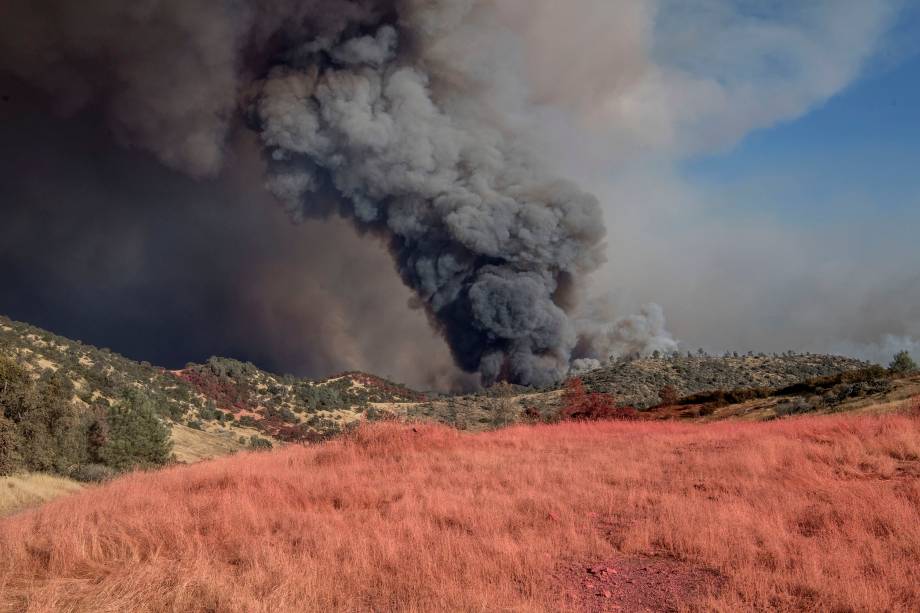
18, 492
637, 382
659, 516
230, 403
223, 405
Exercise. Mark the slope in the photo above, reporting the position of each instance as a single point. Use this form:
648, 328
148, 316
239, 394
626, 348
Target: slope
528, 518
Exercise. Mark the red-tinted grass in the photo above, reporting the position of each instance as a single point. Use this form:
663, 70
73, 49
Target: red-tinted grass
818, 514
913, 406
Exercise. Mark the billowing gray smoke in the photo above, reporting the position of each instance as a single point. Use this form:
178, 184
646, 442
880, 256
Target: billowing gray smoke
487, 242
346, 102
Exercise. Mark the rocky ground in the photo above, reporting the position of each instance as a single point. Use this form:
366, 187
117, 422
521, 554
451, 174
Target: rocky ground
634, 584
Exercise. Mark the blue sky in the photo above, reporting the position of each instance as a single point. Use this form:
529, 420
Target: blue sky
782, 206
856, 155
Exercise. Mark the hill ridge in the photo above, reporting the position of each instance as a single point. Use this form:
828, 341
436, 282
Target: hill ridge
222, 395
245, 405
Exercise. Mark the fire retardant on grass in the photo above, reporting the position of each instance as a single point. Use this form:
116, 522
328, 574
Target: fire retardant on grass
815, 513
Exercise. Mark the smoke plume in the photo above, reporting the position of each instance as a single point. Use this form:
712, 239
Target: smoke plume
351, 99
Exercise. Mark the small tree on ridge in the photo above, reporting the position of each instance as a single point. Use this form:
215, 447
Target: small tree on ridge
902, 364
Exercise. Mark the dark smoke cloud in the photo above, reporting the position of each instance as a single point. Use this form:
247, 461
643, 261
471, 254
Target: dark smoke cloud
112, 248
482, 237
347, 103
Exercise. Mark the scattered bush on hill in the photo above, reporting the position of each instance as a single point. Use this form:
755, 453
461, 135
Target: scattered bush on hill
215, 380
209, 412
456, 415
248, 421
902, 364
819, 385
579, 405
794, 407
257, 442
501, 411
833, 389
532, 414
91, 473
638, 381
668, 396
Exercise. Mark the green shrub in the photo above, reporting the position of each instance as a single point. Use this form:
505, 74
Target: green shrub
902, 364
257, 442
209, 412
794, 407
136, 437
248, 421
91, 473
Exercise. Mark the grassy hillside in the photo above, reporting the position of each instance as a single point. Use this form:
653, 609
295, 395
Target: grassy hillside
19, 492
234, 400
223, 405
853, 387
638, 382
809, 513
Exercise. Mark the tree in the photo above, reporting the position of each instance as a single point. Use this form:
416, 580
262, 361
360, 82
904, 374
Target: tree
41, 429
457, 414
55, 412
502, 411
16, 390
902, 364
10, 460
135, 438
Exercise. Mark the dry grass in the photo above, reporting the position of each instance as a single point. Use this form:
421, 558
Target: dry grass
190, 445
818, 513
20, 492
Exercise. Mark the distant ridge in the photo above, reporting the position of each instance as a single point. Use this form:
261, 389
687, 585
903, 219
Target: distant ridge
237, 404
222, 396
638, 382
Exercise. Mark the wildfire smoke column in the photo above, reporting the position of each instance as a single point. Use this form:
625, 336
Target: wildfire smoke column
348, 102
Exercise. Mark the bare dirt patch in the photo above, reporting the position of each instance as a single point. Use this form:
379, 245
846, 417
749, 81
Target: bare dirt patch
635, 584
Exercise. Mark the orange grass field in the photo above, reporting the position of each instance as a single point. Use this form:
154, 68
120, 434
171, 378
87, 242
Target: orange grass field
813, 513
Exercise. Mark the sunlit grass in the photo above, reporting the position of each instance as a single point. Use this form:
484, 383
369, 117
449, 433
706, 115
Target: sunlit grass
814, 513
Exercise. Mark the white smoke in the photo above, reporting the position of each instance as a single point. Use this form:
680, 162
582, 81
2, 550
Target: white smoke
881, 351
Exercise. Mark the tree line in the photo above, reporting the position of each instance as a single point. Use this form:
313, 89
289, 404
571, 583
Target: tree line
43, 429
